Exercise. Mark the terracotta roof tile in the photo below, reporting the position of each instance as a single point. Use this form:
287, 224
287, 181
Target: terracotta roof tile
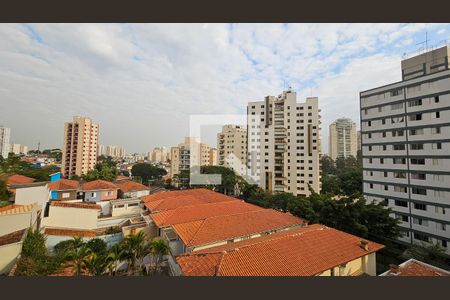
70, 232
200, 212
64, 185
227, 227
414, 267
305, 251
18, 179
12, 237
131, 186
75, 204
15, 209
98, 185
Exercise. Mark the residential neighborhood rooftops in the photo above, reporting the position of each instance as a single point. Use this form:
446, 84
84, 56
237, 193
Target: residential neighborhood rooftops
222, 228
121, 177
99, 185
15, 209
64, 185
304, 251
131, 186
171, 200
28, 184
70, 232
413, 267
19, 179
200, 212
75, 204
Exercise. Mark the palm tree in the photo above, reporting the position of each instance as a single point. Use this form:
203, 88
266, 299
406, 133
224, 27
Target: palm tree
96, 264
159, 248
134, 247
78, 257
115, 255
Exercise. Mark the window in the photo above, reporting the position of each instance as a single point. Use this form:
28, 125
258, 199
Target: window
436, 130
369, 135
381, 160
371, 185
370, 148
416, 146
437, 146
369, 123
419, 191
417, 102
440, 210
404, 218
416, 117
385, 174
400, 189
421, 237
396, 106
119, 206
417, 161
397, 120
401, 203
397, 133
93, 194
399, 175
396, 92
65, 195
418, 176
109, 193
383, 121
397, 161
420, 221
420, 206
383, 134
384, 147
399, 147
133, 204
438, 115
436, 99
386, 187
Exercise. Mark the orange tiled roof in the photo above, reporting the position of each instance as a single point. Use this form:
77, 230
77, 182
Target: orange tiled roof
98, 185
200, 212
414, 267
12, 237
64, 185
75, 204
121, 177
171, 200
70, 232
131, 186
18, 179
227, 227
15, 209
305, 251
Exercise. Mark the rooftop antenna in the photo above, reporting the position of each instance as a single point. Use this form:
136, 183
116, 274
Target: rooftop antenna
39, 145
425, 42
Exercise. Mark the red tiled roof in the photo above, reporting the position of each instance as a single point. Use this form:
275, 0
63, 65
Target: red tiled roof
64, 185
18, 179
200, 212
305, 251
15, 209
414, 267
12, 237
121, 177
98, 185
131, 186
222, 228
171, 200
75, 204
70, 232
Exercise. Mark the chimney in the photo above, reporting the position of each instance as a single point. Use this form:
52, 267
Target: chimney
394, 268
364, 245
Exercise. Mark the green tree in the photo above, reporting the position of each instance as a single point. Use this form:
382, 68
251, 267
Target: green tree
134, 246
115, 255
231, 183
158, 248
4, 193
97, 246
78, 258
97, 264
328, 166
147, 172
102, 171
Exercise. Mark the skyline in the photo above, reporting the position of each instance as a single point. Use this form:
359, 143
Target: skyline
146, 79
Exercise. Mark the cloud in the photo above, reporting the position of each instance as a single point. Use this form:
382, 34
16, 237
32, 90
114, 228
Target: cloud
141, 82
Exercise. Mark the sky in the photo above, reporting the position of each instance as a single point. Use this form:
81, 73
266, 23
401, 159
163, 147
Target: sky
141, 82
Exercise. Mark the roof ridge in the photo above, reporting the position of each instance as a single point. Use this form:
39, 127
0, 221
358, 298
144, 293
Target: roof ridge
198, 229
217, 269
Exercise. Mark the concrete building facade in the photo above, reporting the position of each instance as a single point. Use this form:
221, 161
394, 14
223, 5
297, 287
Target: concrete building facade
115, 151
5, 134
406, 144
80, 148
232, 147
159, 154
342, 139
284, 144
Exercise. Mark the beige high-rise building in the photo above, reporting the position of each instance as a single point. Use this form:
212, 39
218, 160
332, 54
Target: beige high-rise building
284, 144
159, 154
18, 149
5, 133
232, 147
342, 138
115, 151
182, 155
79, 153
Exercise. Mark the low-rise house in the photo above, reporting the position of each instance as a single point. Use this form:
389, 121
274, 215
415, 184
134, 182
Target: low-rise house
131, 189
72, 215
65, 190
30, 193
15, 180
413, 267
126, 207
314, 250
99, 190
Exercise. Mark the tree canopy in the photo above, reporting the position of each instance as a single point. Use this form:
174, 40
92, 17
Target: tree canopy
147, 172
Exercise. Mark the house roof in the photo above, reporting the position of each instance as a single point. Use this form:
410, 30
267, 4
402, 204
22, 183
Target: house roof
304, 251
98, 185
413, 267
171, 200
200, 212
75, 204
70, 232
121, 177
131, 186
15, 209
19, 179
12, 237
64, 185
222, 228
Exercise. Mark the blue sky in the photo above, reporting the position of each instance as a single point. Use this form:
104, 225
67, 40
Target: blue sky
141, 82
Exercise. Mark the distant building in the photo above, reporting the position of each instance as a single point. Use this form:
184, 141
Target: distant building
18, 149
115, 151
159, 154
343, 139
181, 156
5, 133
413, 267
358, 138
284, 144
232, 147
99, 190
101, 150
131, 189
79, 153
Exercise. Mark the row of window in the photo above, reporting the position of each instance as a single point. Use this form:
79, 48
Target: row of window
401, 132
402, 161
415, 146
288, 107
414, 190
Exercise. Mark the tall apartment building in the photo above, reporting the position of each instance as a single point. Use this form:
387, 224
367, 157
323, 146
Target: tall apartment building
18, 149
101, 150
232, 147
342, 138
406, 147
79, 153
115, 151
5, 134
159, 154
181, 156
358, 138
284, 144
